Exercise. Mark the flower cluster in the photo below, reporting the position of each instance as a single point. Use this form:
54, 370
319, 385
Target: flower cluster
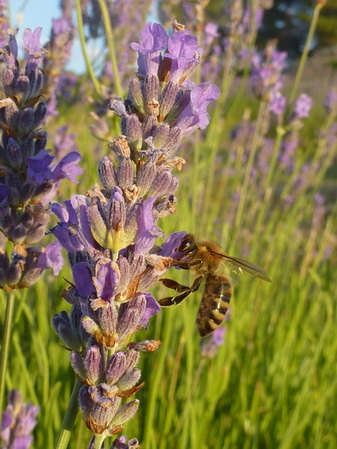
28, 176
110, 233
266, 75
18, 421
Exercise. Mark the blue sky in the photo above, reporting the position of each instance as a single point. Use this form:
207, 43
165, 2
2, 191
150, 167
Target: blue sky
39, 13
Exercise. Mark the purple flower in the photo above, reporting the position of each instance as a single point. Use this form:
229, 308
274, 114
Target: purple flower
302, 106
51, 258
32, 44
38, 166
83, 279
153, 41
106, 279
68, 168
169, 247
183, 51
147, 230
277, 103
152, 308
73, 231
211, 32
64, 142
18, 421
195, 115
330, 102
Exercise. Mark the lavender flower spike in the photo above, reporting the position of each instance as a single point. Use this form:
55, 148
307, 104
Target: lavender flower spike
110, 233
29, 178
18, 421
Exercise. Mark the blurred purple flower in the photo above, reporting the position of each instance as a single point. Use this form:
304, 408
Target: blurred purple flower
18, 421
330, 102
302, 106
277, 103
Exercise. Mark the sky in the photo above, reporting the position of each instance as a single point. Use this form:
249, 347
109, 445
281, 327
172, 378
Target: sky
39, 13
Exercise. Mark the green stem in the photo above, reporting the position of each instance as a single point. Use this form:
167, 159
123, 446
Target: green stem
305, 53
88, 64
248, 170
99, 440
5, 345
111, 46
69, 418
270, 177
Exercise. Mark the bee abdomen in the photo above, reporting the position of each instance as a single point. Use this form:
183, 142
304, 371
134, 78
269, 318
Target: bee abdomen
214, 303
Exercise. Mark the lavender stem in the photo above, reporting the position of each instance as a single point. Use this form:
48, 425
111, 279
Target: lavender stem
305, 53
88, 64
69, 418
249, 167
111, 46
5, 346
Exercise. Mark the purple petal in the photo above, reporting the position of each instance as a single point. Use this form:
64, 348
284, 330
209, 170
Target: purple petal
67, 167
171, 244
106, 279
152, 308
22, 442
154, 38
38, 166
51, 258
60, 211
181, 44
82, 279
147, 230
32, 44
218, 336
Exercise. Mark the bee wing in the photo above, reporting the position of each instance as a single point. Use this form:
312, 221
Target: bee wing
251, 268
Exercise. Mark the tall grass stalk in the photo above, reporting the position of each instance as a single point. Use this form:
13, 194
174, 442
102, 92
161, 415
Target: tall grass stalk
88, 64
7, 332
305, 52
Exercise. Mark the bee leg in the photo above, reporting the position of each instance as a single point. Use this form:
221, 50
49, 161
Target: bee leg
182, 289
188, 265
196, 284
174, 285
175, 300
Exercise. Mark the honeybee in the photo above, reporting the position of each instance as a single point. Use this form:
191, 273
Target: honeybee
204, 258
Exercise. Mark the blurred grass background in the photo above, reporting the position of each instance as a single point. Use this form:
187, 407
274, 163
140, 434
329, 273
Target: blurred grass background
273, 383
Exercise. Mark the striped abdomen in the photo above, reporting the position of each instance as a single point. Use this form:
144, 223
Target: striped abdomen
214, 303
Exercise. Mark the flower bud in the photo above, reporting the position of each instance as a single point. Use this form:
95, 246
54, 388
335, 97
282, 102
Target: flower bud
167, 99
132, 129
93, 364
125, 413
115, 367
150, 88
129, 380
145, 176
125, 173
135, 94
107, 173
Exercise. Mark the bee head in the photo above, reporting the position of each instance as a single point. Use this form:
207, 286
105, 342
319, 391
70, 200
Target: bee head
187, 245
